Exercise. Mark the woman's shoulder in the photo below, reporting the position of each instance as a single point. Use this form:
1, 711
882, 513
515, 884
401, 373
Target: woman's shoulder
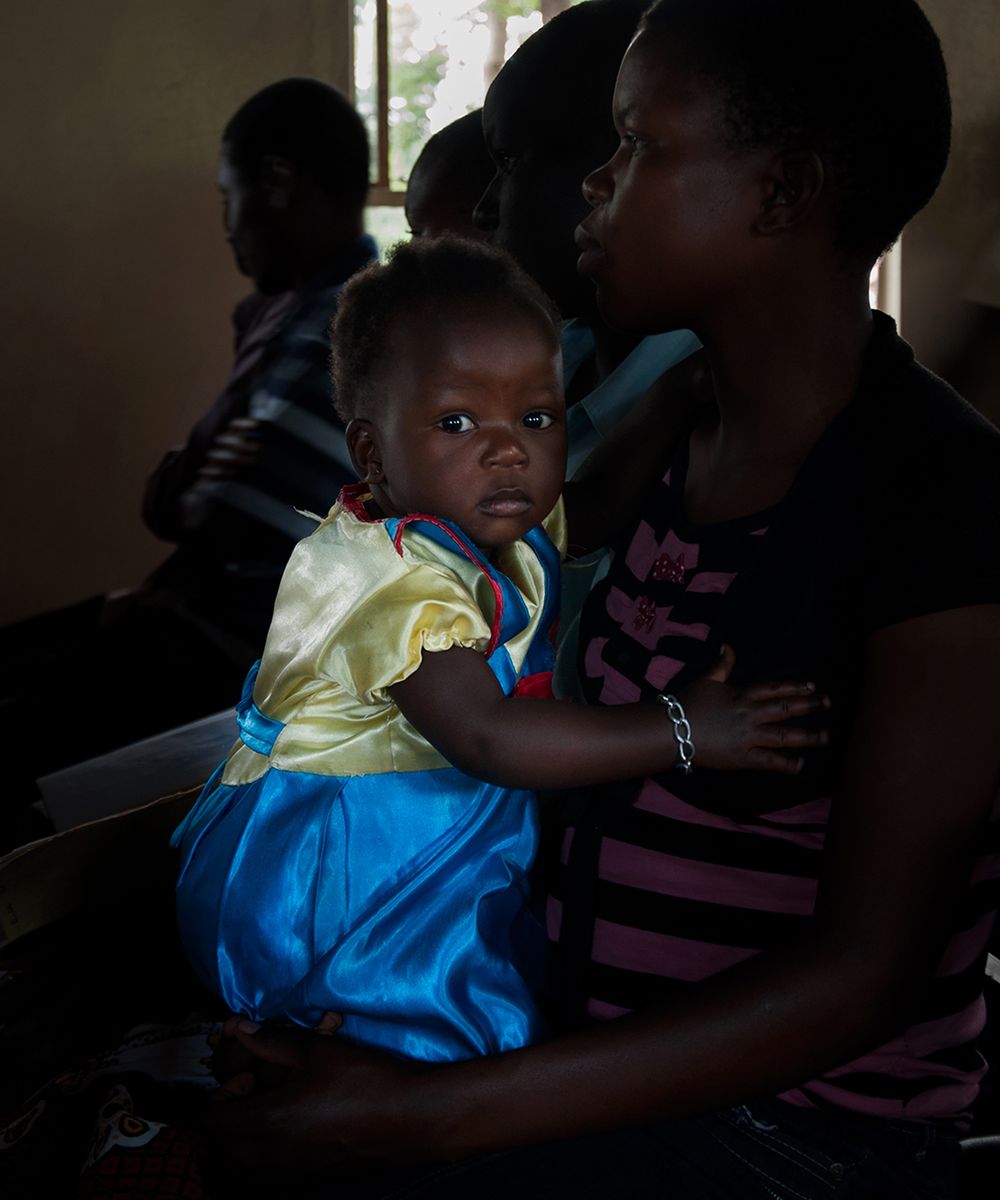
909, 444
933, 457
908, 415
896, 513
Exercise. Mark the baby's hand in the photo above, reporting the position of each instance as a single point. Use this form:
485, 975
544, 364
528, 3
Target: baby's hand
745, 729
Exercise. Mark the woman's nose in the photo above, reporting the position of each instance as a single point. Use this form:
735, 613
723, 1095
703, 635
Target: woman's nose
597, 186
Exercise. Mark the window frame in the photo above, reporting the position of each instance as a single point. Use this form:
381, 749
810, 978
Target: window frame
381, 194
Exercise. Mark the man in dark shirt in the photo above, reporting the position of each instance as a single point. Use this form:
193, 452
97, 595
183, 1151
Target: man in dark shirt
293, 174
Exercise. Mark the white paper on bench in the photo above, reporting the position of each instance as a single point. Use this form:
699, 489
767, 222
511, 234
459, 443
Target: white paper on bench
157, 766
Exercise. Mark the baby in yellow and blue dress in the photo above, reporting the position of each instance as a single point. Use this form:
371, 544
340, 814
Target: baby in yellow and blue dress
365, 847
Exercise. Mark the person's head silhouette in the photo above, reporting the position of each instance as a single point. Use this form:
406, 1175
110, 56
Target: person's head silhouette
547, 121
293, 172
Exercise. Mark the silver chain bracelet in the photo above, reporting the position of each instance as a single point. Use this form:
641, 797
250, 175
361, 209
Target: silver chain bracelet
682, 731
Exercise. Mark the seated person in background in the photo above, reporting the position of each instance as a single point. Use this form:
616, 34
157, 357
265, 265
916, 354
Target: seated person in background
547, 123
293, 172
450, 174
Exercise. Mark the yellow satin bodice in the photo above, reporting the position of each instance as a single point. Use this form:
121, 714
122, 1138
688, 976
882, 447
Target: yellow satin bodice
354, 616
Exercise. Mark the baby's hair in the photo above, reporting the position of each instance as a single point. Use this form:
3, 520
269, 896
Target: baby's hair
435, 271
861, 82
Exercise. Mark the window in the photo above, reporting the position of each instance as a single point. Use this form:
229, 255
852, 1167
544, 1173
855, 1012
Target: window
420, 65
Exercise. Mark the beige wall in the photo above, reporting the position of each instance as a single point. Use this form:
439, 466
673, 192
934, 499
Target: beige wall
951, 251
117, 283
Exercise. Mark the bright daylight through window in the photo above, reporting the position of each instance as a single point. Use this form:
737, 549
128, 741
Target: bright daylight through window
419, 66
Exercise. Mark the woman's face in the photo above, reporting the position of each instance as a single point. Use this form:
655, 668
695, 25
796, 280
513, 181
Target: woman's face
671, 235
470, 422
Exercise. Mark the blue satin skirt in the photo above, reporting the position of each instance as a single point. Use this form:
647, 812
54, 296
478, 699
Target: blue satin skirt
400, 901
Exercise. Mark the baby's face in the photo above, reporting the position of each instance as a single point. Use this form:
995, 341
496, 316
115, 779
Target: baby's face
471, 422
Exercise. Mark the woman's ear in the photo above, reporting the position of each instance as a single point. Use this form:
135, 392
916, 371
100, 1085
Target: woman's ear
362, 444
794, 183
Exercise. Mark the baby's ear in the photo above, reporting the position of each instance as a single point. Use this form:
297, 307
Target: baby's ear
794, 183
362, 444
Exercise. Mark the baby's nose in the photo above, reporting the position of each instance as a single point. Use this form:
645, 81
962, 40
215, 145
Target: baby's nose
505, 446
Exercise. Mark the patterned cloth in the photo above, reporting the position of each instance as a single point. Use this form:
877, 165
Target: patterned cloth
669, 880
116, 1126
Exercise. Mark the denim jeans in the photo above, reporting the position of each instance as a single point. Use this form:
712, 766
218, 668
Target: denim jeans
766, 1151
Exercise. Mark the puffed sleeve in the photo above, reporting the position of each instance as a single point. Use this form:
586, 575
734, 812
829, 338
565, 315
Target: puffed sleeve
383, 639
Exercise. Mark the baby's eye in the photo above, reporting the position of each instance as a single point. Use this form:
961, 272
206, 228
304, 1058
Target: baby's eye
505, 162
537, 420
456, 423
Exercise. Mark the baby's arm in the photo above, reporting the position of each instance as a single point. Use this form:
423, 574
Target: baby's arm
454, 700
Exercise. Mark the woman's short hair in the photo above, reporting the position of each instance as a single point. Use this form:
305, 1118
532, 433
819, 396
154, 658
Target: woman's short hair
860, 82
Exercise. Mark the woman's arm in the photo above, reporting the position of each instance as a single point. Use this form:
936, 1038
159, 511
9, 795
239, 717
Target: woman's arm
922, 770
921, 773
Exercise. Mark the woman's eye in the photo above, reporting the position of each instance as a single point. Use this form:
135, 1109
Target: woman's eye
505, 162
456, 423
537, 420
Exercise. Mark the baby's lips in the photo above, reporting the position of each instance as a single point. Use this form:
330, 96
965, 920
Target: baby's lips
505, 502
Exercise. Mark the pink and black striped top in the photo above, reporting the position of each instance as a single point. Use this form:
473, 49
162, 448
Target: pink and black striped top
693, 877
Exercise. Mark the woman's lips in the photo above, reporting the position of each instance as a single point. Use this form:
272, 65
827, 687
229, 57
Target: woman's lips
591, 251
505, 502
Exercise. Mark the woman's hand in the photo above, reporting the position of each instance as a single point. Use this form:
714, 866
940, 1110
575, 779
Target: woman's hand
746, 729
238, 1070
304, 1102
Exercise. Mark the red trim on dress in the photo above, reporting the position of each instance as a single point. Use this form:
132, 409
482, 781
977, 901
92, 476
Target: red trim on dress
352, 498
397, 541
537, 686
